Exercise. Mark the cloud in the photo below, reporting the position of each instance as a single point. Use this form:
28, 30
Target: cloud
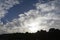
5, 5
44, 17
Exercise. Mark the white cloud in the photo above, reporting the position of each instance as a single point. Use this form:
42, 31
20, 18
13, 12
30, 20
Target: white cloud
44, 17
5, 5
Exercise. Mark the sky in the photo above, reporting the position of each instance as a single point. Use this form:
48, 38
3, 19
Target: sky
24, 6
29, 15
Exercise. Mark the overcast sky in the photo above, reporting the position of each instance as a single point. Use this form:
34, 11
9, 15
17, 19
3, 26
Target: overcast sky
29, 15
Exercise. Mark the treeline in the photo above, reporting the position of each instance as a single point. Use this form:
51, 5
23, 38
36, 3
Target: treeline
53, 34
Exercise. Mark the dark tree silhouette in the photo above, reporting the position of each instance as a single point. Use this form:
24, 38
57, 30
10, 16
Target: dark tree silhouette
53, 34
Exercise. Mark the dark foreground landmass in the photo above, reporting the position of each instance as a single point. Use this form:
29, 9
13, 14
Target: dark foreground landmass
53, 34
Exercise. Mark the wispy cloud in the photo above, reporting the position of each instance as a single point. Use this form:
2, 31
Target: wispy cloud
44, 17
5, 5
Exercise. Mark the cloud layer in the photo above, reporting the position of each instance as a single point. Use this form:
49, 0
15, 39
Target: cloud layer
45, 16
5, 5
